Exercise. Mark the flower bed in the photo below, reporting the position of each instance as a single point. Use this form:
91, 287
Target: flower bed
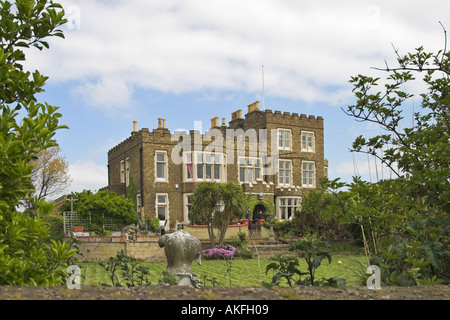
220, 252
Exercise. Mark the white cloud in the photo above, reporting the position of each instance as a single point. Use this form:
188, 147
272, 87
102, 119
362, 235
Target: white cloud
110, 93
85, 174
309, 50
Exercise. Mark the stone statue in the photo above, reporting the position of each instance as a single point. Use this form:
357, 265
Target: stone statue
181, 250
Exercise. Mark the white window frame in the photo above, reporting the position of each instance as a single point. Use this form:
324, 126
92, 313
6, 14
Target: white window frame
188, 160
166, 166
283, 139
159, 204
201, 160
186, 206
250, 164
122, 171
306, 174
127, 171
305, 144
283, 205
282, 173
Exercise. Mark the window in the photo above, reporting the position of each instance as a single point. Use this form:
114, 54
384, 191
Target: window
208, 166
284, 139
249, 169
161, 166
122, 171
307, 141
284, 172
308, 169
162, 207
287, 207
187, 206
127, 171
189, 166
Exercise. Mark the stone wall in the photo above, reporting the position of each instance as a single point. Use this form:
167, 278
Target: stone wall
201, 232
97, 248
102, 248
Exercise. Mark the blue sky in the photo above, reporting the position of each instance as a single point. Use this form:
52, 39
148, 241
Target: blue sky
186, 61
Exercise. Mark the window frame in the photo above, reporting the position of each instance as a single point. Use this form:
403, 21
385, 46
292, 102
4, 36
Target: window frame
283, 146
199, 162
283, 176
308, 177
186, 206
280, 206
122, 171
160, 204
307, 134
253, 167
166, 166
127, 171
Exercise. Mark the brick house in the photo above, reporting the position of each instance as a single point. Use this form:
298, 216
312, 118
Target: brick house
165, 167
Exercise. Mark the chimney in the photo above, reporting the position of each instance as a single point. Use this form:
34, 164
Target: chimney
253, 106
159, 123
134, 126
214, 122
223, 122
236, 115
164, 123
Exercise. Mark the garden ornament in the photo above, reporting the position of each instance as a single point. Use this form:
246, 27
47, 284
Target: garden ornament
181, 250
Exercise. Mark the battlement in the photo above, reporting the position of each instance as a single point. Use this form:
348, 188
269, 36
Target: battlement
294, 115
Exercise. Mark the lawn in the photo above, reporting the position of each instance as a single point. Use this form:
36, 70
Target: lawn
244, 272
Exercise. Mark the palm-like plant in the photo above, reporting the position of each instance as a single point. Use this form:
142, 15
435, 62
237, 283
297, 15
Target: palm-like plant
234, 204
205, 198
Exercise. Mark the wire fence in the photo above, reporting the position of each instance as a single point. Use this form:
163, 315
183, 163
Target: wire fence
77, 220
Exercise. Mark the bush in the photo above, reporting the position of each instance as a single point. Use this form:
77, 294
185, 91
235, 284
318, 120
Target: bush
154, 223
25, 256
56, 227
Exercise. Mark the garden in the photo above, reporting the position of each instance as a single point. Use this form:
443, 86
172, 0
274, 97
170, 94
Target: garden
224, 267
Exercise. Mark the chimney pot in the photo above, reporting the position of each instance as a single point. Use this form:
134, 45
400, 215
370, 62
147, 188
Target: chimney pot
214, 122
253, 106
134, 126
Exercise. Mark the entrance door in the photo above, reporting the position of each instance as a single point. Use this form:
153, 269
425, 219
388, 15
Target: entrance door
258, 211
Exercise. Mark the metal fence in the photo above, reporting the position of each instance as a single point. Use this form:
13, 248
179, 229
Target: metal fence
75, 219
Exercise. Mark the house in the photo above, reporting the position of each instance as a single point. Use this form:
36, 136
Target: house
277, 156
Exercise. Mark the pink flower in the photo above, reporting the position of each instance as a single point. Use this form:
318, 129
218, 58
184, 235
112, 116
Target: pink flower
220, 252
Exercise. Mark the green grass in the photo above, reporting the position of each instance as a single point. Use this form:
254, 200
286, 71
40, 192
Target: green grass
244, 272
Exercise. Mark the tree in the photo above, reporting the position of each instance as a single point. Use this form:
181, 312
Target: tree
50, 175
27, 24
233, 200
204, 201
25, 257
418, 156
207, 196
408, 215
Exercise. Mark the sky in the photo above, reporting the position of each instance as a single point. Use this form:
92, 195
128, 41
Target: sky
192, 60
